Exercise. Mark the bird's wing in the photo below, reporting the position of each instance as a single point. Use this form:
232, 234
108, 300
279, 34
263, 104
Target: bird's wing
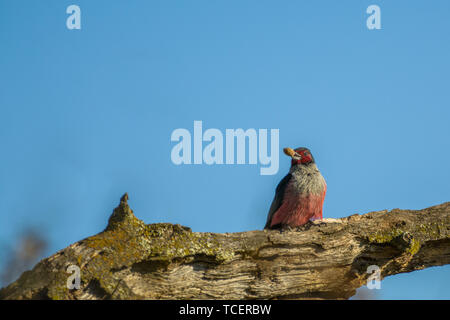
278, 199
319, 214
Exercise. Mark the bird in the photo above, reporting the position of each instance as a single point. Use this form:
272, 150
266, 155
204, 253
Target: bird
300, 195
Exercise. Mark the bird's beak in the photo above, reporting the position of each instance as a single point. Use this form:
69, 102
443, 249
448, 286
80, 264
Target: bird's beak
289, 152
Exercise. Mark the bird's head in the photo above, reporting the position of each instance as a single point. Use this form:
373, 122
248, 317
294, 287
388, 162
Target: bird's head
300, 156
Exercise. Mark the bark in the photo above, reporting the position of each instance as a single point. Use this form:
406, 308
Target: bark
327, 260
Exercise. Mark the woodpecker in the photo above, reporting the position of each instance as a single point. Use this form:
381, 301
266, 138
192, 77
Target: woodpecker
300, 194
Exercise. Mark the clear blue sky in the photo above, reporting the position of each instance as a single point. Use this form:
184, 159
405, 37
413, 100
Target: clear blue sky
87, 114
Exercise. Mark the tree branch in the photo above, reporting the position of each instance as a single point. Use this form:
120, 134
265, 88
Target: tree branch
131, 260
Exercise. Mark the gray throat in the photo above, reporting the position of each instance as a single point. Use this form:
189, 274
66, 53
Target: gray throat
307, 179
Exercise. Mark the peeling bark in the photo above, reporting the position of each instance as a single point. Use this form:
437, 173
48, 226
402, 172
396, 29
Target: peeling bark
325, 260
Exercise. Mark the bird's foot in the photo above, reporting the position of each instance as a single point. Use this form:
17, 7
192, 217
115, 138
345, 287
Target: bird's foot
286, 228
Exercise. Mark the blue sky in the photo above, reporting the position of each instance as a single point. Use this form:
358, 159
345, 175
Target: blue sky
88, 114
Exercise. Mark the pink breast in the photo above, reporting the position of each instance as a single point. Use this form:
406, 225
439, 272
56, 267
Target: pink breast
298, 209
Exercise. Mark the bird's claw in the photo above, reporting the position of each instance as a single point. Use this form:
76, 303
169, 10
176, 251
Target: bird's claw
317, 222
286, 229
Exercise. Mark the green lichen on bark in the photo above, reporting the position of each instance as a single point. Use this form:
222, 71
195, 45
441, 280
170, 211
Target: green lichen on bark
414, 247
126, 241
384, 236
130, 240
432, 230
409, 241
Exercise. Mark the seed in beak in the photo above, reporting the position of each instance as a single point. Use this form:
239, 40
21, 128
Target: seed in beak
289, 152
